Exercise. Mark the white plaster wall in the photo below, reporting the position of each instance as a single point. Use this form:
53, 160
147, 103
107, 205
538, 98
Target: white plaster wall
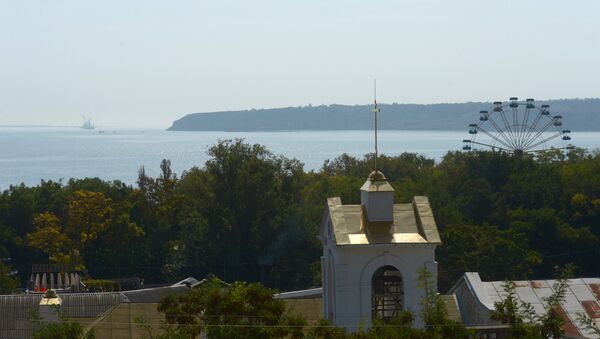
379, 205
472, 311
353, 268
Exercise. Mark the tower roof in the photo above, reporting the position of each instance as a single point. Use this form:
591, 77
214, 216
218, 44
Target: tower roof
377, 183
413, 223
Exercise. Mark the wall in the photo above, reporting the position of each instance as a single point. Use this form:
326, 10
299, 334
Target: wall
122, 322
353, 268
472, 311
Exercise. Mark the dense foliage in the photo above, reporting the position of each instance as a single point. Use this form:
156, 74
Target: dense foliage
240, 310
250, 215
243, 310
8, 283
62, 329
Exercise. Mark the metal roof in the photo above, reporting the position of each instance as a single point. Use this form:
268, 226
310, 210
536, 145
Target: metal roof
377, 186
153, 295
582, 296
16, 310
301, 294
413, 223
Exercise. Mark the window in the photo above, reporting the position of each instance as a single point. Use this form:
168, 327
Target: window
387, 293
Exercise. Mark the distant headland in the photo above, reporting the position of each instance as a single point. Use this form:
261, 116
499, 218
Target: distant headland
578, 115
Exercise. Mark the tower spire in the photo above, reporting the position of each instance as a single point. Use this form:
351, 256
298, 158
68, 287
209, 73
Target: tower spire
375, 111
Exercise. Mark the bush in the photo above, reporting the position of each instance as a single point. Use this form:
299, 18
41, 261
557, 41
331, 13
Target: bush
101, 285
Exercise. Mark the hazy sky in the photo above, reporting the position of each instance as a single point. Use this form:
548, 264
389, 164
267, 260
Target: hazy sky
146, 63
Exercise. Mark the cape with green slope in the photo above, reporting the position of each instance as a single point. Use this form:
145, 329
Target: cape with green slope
578, 115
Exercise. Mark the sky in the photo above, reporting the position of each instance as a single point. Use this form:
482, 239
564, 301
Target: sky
147, 63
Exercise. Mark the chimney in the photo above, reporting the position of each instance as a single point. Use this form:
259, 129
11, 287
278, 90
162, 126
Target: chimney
377, 199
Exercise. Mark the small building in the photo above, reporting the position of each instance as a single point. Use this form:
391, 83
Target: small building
476, 300
373, 253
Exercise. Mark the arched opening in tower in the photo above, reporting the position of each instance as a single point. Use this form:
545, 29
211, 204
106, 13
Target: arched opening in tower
387, 293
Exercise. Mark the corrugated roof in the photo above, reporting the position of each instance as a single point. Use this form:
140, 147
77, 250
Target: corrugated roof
301, 294
16, 310
153, 295
85, 305
15, 315
413, 223
581, 297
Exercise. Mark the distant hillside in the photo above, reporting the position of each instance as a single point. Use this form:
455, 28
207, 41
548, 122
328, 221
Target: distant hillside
578, 115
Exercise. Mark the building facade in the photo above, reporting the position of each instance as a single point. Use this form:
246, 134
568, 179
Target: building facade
373, 254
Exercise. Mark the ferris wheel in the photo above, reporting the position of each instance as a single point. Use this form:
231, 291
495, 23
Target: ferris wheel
518, 127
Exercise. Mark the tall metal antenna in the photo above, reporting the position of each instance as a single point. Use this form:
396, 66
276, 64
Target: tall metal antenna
375, 111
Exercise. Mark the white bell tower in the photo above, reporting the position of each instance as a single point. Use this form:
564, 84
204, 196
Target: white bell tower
373, 252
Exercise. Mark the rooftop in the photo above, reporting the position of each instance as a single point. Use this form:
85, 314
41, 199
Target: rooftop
15, 310
583, 296
413, 223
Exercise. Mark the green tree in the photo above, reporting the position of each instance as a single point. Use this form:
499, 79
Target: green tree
434, 312
492, 252
588, 323
547, 233
61, 330
88, 216
516, 313
50, 238
157, 208
240, 310
399, 327
324, 329
521, 317
8, 283
249, 219
552, 323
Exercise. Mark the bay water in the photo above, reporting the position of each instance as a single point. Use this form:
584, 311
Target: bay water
30, 154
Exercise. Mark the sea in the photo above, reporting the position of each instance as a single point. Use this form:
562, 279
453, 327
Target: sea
31, 154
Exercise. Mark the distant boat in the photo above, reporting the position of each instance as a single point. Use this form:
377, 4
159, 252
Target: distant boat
87, 123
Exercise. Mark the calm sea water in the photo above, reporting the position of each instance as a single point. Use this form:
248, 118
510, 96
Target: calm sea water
30, 154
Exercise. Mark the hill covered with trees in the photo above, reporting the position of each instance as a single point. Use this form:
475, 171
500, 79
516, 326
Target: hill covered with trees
247, 214
579, 115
